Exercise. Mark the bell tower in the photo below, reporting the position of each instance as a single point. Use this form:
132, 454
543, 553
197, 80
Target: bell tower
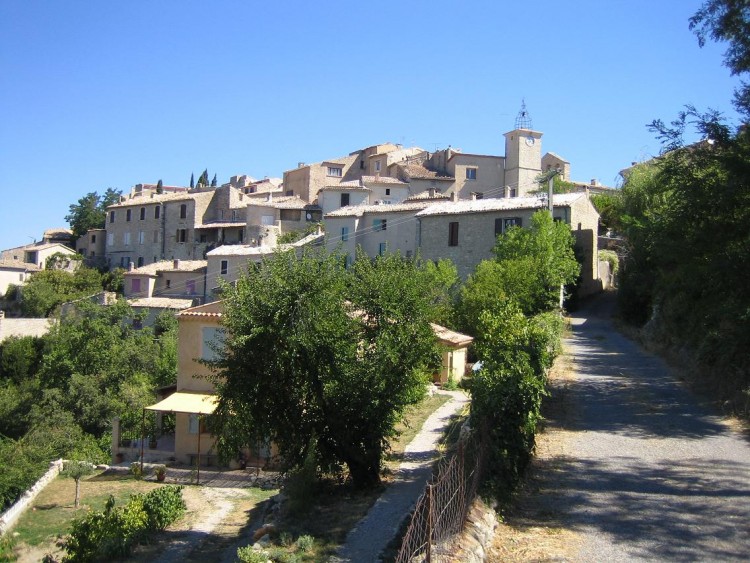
523, 155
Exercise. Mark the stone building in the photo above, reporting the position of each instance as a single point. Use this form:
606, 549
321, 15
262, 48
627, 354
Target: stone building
465, 231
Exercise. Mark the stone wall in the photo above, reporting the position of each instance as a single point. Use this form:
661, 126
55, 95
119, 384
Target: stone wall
10, 516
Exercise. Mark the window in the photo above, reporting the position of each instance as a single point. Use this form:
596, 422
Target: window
344, 200
93, 239
141, 237
241, 236
471, 173
157, 212
382, 247
92, 254
212, 339
453, 233
377, 166
234, 214
289, 193
168, 283
197, 422
111, 216
140, 261
335, 171
110, 239
181, 235
221, 214
388, 191
143, 213
183, 211
513, 222
503, 224
478, 195
267, 220
126, 238
224, 267
344, 234
380, 224
128, 214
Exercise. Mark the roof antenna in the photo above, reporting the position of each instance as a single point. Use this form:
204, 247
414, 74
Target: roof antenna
523, 119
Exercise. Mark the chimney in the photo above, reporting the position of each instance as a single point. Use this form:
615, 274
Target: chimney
431, 192
593, 181
454, 196
507, 192
269, 197
300, 165
176, 263
473, 196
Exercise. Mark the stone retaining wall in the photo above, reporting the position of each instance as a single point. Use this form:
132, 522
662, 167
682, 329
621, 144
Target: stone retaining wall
10, 516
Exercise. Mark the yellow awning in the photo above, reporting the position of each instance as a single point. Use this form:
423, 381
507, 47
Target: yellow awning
192, 403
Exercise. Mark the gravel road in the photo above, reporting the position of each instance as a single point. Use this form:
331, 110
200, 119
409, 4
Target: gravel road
647, 472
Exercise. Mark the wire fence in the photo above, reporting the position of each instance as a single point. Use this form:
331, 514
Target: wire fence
441, 511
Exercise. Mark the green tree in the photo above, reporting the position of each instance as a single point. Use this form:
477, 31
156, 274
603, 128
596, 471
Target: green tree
77, 470
47, 289
90, 212
159, 187
728, 21
443, 285
322, 359
192, 180
213, 182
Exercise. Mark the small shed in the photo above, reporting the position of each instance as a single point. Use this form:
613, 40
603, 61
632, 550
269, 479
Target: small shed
454, 351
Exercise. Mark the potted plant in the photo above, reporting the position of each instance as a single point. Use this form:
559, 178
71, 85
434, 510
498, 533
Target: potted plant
161, 472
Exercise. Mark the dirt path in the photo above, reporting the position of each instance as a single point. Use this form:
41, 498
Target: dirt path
633, 467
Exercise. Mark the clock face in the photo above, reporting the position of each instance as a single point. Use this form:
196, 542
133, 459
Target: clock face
530, 141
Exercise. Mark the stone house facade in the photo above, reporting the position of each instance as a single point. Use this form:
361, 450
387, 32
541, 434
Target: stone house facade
465, 231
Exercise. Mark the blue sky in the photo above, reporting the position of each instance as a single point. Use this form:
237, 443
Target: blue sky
110, 94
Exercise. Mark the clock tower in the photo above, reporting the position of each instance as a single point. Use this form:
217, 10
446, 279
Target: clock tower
523, 155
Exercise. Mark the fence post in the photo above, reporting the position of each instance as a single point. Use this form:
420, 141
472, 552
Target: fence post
428, 558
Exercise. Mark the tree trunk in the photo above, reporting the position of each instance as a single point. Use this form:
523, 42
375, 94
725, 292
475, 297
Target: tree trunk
78, 492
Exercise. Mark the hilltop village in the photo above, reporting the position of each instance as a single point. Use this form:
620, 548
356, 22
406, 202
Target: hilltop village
177, 243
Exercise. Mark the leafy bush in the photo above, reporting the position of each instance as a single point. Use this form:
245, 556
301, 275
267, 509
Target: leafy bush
305, 543
248, 555
507, 392
113, 532
611, 257
163, 506
136, 470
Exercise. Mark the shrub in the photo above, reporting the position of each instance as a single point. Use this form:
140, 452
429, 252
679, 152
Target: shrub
611, 257
163, 506
305, 543
507, 392
113, 532
136, 470
248, 555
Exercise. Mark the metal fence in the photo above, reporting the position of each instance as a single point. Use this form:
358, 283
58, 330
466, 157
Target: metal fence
441, 511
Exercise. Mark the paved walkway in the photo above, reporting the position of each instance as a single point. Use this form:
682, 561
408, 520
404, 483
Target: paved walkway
375, 531
648, 472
